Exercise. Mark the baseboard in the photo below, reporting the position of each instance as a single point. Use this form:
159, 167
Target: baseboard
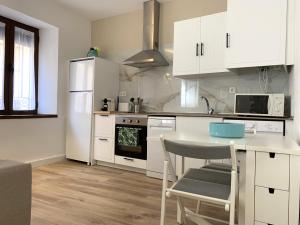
157, 175
121, 167
48, 160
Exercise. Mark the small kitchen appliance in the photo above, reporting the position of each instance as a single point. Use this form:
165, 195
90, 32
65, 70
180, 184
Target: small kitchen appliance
274, 105
124, 107
108, 105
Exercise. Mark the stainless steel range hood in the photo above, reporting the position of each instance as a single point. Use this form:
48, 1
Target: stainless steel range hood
150, 56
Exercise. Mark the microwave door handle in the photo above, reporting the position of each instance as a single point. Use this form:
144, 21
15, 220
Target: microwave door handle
269, 106
234, 110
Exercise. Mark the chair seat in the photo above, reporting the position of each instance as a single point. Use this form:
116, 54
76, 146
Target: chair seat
220, 167
205, 182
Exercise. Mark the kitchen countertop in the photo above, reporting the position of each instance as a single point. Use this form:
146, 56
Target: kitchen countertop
251, 142
217, 115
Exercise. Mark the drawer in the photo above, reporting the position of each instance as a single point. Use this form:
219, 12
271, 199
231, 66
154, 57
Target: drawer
105, 126
104, 149
271, 206
126, 161
272, 170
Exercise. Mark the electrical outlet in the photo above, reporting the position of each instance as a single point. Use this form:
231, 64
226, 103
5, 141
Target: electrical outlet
232, 90
122, 94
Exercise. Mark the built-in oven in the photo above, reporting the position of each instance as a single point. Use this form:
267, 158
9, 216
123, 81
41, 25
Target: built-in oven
131, 137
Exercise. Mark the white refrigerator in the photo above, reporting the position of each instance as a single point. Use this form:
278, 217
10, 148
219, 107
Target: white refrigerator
91, 80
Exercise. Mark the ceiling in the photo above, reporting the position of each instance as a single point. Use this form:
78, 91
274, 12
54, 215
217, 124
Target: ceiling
99, 9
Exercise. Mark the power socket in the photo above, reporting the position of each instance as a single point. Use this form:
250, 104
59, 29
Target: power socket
232, 90
122, 94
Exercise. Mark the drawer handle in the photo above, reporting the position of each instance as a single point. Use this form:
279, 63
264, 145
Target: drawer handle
128, 159
271, 190
103, 139
227, 40
202, 49
272, 155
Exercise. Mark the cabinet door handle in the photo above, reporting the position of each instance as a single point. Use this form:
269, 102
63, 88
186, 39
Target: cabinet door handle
272, 155
202, 49
128, 159
103, 139
197, 49
227, 40
11, 67
271, 190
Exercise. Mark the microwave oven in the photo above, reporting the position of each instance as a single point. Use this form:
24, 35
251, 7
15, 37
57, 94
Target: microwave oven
274, 105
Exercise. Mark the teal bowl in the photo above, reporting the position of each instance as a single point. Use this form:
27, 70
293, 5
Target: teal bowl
227, 130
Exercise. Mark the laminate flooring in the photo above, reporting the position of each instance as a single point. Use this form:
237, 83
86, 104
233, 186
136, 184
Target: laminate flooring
72, 193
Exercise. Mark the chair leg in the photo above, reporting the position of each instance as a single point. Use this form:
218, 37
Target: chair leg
232, 204
163, 196
198, 206
163, 209
182, 210
232, 217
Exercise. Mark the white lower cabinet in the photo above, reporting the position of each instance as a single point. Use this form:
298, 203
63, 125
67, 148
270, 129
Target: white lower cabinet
104, 138
271, 206
131, 162
104, 125
104, 149
272, 170
271, 189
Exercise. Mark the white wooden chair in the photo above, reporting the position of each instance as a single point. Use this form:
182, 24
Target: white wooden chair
206, 184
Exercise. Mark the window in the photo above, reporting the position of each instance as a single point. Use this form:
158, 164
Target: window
189, 93
18, 68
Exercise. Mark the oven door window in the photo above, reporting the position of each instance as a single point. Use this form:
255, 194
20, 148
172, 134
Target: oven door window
128, 136
131, 141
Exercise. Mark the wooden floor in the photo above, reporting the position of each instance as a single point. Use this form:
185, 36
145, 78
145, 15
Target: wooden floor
71, 193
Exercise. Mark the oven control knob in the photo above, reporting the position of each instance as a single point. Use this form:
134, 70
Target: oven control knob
130, 121
124, 121
138, 121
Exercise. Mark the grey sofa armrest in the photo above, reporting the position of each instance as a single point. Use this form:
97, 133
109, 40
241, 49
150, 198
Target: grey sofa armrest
15, 193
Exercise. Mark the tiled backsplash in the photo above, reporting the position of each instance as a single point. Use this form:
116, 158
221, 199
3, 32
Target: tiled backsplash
162, 92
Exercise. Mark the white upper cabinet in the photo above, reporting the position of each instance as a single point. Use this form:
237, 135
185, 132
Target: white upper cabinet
257, 33
212, 55
199, 45
186, 56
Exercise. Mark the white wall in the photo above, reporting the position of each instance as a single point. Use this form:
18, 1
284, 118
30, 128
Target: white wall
34, 139
295, 77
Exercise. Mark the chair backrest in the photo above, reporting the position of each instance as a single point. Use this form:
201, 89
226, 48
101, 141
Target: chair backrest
190, 150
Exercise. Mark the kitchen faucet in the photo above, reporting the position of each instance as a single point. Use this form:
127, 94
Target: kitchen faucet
210, 110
